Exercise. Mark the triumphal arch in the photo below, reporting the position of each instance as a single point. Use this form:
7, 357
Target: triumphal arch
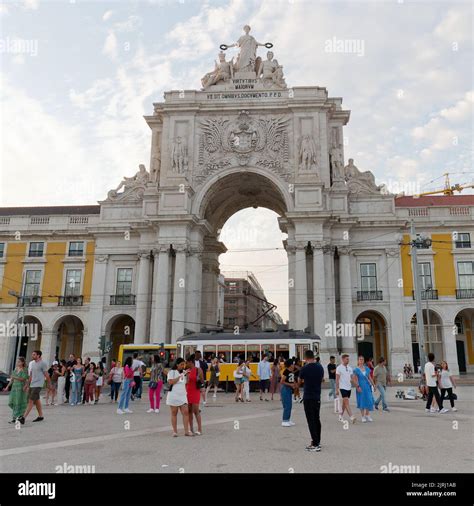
246, 138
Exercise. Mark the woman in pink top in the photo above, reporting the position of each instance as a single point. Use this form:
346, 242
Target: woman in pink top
127, 388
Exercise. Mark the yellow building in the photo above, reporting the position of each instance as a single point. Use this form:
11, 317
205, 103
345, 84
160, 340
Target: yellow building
72, 276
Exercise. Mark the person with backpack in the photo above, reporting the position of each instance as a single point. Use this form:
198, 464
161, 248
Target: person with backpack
155, 385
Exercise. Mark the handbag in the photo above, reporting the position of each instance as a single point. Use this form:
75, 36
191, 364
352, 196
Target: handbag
199, 382
152, 385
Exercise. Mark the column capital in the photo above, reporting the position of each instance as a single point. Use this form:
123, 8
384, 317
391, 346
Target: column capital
301, 245
161, 249
181, 248
143, 255
392, 252
198, 251
101, 259
328, 249
344, 250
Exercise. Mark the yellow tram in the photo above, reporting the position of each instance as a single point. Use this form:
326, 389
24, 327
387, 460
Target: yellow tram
229, 348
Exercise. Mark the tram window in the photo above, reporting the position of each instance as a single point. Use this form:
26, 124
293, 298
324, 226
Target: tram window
300, 349
238, 352
209, 352
283, 350
178, 350
269, 350
189, 349
223, 352
253, 352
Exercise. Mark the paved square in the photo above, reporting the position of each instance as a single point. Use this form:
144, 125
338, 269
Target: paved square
239, 438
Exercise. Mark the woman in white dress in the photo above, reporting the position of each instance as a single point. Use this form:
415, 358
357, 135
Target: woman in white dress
177, 397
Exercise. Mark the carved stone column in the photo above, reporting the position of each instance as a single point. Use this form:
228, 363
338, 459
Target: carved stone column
142, 316
210, 273
291, 250
301, 287
450, 349
345, 284
331, 341
193, 294
90, 340
398, 342
48, 345
319, 291
160, 296
179, 292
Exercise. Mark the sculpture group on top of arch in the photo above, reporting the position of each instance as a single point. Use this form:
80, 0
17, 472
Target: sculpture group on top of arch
268, 73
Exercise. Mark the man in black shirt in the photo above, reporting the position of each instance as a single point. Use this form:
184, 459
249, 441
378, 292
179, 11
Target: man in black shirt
312, 375
332, 376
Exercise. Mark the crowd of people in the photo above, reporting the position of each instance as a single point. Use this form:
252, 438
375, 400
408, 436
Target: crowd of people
75, 382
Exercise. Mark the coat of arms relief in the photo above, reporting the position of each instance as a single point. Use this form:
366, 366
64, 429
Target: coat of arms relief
244, 141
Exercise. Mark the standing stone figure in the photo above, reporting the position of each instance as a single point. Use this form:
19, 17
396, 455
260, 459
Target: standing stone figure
248, 52
179, 156
223, 71
337, 165
308, 155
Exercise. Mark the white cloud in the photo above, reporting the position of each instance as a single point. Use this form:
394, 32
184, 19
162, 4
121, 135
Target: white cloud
46, 146
110, 46
457, 24
462, 110
31, 4
131, 24
107, 15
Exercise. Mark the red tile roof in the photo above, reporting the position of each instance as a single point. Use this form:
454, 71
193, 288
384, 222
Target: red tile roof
48, 210
435, 200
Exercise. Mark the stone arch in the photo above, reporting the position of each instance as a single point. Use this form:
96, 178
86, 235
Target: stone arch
464, 322
237, 188
69, 332
222, 196
433, 334
30, 340
375, 342
119, 329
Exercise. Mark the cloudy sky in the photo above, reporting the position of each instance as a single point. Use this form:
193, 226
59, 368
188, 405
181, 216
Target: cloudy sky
74, 93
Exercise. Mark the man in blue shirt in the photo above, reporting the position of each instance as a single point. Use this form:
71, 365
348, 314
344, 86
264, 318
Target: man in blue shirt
312, 375
264, 372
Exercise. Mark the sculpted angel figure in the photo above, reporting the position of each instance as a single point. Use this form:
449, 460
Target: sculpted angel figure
308, 155
223, 71
139, 179
248, 51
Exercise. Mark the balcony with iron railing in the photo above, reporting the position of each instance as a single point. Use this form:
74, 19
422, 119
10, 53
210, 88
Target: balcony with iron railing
29, 300
71, 300
369, 295
427, 294
122, 300
465, 293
